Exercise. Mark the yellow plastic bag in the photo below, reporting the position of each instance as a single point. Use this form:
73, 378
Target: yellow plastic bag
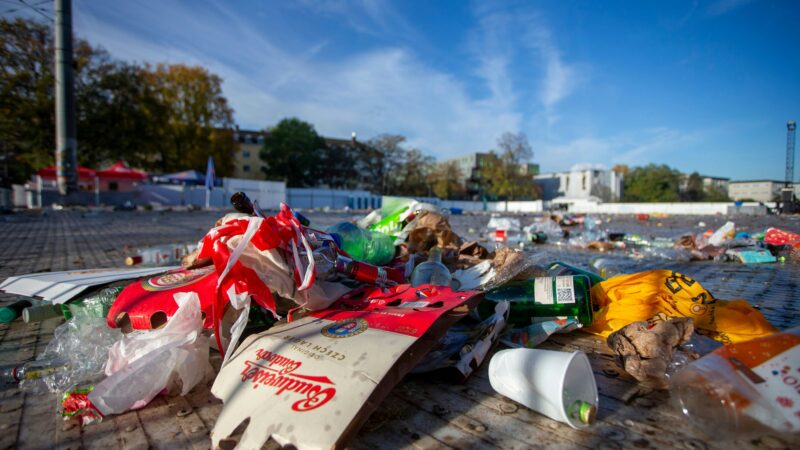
630, 298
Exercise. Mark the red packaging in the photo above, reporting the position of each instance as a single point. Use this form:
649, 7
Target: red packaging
147, 304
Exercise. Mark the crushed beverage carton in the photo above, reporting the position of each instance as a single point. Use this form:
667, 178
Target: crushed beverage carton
148, 304
313, 382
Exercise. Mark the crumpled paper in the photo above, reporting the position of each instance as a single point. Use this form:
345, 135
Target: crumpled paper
646, 349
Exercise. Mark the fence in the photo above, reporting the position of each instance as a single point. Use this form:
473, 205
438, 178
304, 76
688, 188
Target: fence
309, 198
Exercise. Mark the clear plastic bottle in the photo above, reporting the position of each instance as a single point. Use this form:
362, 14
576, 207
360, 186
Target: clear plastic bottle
745, 387
432, 271
372, 247
159, 255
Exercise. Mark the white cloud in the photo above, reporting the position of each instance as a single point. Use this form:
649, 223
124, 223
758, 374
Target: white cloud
561, 79
388, 89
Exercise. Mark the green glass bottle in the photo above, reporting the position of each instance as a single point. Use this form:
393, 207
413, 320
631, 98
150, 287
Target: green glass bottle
543, 297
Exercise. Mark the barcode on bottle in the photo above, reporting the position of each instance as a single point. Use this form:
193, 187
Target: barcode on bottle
564, 296
565, 290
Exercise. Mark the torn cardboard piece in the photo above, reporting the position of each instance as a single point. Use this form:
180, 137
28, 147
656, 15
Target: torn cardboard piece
313, 382
61, 287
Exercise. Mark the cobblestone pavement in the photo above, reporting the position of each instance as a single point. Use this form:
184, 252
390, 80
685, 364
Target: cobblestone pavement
63, 240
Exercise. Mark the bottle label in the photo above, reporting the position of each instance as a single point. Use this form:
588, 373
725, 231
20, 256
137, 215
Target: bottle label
554, 290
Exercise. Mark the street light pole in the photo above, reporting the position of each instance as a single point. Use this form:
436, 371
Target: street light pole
66, 143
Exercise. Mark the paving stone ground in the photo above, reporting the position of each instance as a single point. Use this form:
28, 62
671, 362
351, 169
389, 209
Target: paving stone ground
420, 413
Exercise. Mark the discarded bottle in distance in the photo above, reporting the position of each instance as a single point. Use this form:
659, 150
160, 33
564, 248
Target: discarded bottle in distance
371, 247
159, 255
605, 267
432, 271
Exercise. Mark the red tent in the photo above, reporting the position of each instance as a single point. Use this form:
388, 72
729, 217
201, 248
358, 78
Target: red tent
84, 173
120, 170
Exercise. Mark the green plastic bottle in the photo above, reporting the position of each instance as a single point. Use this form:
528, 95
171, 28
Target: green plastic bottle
543, 297
392, 224
367, 246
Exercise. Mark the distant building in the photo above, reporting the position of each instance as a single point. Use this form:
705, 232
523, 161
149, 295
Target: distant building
246, 161
581, 182
710, 183
471, 165
758, 190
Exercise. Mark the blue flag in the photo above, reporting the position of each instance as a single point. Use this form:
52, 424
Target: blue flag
210, 174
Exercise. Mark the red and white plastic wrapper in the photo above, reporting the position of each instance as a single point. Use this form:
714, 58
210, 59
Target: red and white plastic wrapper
313, 382
256, 255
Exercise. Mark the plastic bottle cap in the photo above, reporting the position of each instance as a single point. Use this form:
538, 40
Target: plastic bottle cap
586, 412
7, 315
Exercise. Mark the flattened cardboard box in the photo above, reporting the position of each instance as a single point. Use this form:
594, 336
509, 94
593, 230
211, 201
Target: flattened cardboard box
313, 382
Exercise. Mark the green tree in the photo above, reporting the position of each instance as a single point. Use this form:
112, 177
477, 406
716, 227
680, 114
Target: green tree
340, 165
386, 161
290, 153
715, 195
652, 183
119, 97
694, 188
447, 181
198, 122
414, 172
27, 123
506, 174
163, 119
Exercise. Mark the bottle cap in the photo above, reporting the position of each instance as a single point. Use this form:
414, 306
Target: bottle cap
133, 260
7, 315
585, 412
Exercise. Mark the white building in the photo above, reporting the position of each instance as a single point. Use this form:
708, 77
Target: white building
758, 190
583, 181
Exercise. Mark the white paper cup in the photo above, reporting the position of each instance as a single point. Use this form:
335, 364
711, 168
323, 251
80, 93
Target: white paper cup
545, 381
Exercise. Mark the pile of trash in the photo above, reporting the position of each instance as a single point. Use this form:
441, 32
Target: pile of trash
584, 231
302, 317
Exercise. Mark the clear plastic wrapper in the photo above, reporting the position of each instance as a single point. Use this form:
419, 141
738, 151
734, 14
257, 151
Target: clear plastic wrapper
140, 366
77, 352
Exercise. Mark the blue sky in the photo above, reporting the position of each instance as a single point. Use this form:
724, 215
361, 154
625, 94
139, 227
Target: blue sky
697, 85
